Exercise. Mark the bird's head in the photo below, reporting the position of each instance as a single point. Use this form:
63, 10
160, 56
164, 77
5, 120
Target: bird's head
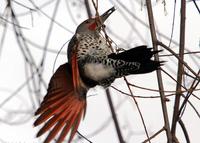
93, 25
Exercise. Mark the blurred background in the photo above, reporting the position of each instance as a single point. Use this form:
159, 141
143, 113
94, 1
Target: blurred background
34, 37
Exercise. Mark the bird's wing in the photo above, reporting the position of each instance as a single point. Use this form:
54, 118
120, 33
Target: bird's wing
75, 73
61, 109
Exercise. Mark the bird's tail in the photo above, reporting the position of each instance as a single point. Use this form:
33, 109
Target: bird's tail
61, 109
147, 67
141, 55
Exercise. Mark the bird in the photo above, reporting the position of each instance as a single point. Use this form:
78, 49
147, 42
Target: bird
91, 62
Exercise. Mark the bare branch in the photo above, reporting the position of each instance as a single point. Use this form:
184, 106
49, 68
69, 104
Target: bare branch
180, 68
159, 76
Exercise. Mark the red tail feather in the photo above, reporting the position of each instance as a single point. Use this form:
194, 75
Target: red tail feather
61, 109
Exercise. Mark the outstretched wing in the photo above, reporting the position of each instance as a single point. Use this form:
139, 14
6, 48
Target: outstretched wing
61, 108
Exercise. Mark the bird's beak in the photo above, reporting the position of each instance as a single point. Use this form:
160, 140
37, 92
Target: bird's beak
98, 21
106, 14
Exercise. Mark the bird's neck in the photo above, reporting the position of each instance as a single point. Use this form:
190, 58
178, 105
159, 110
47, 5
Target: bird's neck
94, 34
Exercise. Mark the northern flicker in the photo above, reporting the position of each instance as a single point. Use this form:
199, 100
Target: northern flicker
90, 63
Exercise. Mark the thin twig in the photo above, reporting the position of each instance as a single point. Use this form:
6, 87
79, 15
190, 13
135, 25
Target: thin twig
3, 36
191, 89
186, 90
194, 1
82, 136
140, 96
150, 89
154, 135
185, 53
173, 20
49, 17
177, 56
138, 108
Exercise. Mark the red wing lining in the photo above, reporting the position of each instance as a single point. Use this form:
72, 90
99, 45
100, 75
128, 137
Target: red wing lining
62, 109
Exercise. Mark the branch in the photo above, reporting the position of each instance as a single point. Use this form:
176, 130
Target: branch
159, 76
138, 108
180, 69
114, 116
87, 6
184, 130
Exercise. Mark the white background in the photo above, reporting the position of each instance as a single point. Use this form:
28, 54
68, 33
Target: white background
17, 114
